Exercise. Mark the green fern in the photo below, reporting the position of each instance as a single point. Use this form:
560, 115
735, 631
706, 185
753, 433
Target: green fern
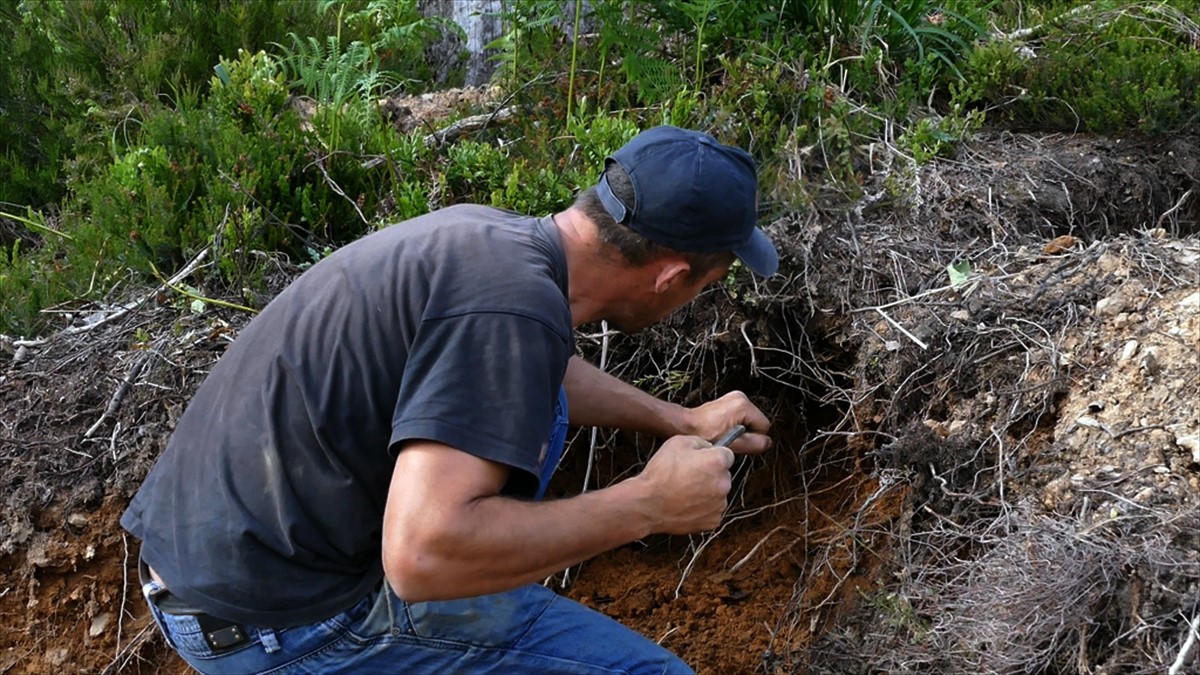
656, 79
647, 70
344, 83
332, 75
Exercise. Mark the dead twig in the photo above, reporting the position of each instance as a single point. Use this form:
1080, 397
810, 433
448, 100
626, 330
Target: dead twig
127, 654
114, 403
124, 592
1186, 649
121, 311
333, 185
1173, 209
916, 340
457, 130
754, 549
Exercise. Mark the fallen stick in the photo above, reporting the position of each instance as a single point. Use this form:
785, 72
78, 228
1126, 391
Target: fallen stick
130, 650
120, 311
900, 328
1181, 660
456, 130
1173, 209
115, 402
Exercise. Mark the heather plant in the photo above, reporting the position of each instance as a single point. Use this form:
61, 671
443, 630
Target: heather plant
131, 50
73, 71
236, 170
32, 140
1104, 67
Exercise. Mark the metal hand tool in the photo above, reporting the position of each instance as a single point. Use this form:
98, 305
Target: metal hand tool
730, 436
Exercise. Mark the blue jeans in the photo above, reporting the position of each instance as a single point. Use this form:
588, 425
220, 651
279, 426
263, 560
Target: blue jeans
527, 630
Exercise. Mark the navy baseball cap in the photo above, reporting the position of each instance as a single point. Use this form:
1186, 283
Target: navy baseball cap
691, 194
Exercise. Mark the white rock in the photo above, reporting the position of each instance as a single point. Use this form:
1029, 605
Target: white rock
37, 555
99, 624
1110, 306
1108, 263
1192, 443
1191, 303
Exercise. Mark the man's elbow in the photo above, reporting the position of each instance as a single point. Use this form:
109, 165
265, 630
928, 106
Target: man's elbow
412, 575
417, 573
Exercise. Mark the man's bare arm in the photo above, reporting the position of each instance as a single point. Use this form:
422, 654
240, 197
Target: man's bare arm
599, 399
447, 533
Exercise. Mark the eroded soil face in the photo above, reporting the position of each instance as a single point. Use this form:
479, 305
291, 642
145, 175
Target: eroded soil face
1039, 415
727, 602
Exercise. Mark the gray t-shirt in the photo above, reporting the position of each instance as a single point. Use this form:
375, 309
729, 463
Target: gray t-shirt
267, 505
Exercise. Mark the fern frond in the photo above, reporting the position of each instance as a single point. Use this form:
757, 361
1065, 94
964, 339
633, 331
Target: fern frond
656, 79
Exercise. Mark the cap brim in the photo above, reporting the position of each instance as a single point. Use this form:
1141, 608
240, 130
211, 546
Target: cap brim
759, 254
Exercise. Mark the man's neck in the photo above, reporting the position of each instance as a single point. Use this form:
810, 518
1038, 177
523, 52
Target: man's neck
594, 278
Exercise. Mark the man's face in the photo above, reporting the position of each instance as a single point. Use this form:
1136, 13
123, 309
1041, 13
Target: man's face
637, 313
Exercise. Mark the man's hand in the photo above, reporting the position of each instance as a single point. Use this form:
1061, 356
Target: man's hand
689, 480
714, 418
599, 399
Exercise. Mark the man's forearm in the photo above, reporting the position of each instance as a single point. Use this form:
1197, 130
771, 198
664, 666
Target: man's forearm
601, 400
500, 543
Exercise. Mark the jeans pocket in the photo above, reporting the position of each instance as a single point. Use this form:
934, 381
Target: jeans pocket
496, 620
187, 637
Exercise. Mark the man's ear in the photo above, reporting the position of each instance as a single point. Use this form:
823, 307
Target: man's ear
672, 271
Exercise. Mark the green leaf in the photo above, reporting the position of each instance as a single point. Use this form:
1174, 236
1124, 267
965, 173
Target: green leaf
959, 272
198, 306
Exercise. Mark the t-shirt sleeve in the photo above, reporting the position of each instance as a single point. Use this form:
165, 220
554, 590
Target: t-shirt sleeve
485, 383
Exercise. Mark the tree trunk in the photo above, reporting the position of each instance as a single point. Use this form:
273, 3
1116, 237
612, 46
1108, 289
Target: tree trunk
464, 54
481, 22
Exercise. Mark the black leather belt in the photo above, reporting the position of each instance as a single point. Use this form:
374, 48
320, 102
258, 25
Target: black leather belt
220, 634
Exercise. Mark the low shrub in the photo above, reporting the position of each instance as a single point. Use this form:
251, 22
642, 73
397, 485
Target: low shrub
1104, 67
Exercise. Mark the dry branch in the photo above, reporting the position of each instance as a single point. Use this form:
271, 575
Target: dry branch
457, 130
114, 403
1188, 644
120, 311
